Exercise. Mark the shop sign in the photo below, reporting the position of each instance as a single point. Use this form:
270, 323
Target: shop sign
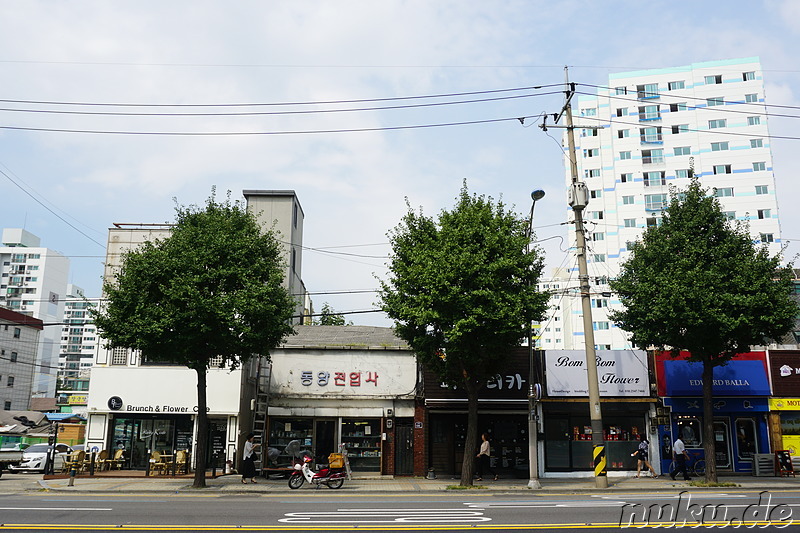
115, 403
785, 371
512, 384
77, 399
737, 378
720, 405
324, 378
619, 373
784, 404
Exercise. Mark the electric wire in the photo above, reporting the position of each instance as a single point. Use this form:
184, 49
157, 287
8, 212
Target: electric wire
715, 131
263, 133
681, 97
298, 103
65, 221
270, 113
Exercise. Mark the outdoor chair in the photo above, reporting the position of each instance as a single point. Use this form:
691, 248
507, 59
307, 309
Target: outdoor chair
118, 461
181, 463
157, 463
75, 460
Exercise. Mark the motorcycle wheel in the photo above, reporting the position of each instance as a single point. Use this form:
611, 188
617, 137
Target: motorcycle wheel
296, 481
336, 483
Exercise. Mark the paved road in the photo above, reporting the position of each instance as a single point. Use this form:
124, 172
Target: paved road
54, 511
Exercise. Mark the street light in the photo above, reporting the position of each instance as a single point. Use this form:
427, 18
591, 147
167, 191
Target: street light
533, 430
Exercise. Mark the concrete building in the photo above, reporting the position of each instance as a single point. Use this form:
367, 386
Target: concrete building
141, 406
655, 127
19, 343
34, 283
76, 354
281, 212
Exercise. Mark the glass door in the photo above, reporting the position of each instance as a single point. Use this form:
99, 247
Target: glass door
722, 443
324, 439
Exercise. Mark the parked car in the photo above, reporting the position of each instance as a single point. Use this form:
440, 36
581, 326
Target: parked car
34, 458
10, 456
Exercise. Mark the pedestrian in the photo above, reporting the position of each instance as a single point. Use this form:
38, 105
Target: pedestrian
641, 456
484, 464
679, 455
249, 459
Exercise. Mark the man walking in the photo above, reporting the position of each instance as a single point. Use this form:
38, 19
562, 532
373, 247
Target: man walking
679, 455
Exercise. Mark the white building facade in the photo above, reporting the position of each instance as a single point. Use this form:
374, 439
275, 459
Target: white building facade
655, 128
34, 283
141, 406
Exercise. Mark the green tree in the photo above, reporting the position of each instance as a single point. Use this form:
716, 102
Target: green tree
462, 291
212, 288
328, 318
699, 283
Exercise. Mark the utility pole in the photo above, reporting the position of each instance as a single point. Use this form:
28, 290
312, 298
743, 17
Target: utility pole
578, 200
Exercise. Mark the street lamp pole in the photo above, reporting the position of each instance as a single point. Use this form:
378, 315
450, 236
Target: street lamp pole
533, 426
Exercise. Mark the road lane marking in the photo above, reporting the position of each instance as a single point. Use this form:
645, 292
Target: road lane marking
385, 516
55, 509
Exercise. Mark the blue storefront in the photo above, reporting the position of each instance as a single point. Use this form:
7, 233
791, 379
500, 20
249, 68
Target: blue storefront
740, 427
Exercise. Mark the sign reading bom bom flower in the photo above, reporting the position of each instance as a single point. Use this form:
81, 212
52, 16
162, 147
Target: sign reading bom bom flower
619, 373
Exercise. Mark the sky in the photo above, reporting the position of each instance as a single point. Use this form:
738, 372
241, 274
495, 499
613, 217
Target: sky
201, 57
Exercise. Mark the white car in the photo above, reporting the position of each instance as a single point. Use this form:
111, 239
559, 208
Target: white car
34, 458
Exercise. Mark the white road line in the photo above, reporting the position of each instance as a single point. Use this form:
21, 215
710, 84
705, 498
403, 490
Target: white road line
542, 505
55, 509
385, 516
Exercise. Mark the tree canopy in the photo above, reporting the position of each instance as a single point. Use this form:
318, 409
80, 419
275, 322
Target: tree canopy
698, 282
328, 317
462, 292
211, 289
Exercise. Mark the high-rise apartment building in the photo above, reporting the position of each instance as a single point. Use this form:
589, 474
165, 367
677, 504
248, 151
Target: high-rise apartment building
656, 127
78, 344
34, 283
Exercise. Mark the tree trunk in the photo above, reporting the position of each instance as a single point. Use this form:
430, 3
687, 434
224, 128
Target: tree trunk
708, 422
470, 445
202, 432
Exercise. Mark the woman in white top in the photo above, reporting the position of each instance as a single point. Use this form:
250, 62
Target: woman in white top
248, 459
483, 459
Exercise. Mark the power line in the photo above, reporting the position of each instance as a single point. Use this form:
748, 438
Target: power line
352, 66
263, 133
716, 131
676, 97
65, 221
723, 106
272, 113
299, 103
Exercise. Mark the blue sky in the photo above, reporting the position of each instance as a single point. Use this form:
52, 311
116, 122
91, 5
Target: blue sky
352, 186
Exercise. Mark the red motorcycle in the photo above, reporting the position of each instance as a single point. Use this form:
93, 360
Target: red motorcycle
333, 475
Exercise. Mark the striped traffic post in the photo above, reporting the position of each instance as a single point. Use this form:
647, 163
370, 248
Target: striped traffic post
599, 453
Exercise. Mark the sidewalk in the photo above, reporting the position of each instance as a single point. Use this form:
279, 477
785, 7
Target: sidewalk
231, 484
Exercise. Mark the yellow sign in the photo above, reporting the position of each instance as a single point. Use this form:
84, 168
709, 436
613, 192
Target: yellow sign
77, 399
784, 404
791, 443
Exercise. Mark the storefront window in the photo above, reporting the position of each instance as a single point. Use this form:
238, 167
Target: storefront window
285, 431
362, 439
745, 438
690, 432
139, 436
790, 423
568, 441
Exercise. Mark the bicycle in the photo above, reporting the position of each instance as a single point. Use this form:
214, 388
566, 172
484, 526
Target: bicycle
695, 465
